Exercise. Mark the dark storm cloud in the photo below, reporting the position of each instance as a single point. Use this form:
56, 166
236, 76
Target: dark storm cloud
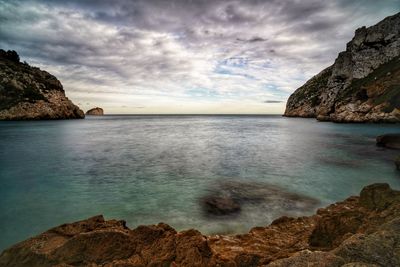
159, 47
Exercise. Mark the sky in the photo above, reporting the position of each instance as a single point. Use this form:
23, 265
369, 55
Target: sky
182, 56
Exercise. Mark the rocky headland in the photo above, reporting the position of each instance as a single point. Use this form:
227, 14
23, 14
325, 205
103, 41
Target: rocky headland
95, 111
28, 93
359, 231
363, 85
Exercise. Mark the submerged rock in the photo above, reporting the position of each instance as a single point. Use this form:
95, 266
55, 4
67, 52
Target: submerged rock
95, 111
231, 197
389, 141
359, 231
28, 93
220, 205
397, 163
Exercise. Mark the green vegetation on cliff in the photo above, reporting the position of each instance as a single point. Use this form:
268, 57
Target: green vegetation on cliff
387, 76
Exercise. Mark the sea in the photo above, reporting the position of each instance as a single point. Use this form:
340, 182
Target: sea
160, 168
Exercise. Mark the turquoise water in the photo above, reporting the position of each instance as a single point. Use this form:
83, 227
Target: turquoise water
147, 169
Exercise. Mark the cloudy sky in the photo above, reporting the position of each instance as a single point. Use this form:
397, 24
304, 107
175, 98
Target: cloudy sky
181, 56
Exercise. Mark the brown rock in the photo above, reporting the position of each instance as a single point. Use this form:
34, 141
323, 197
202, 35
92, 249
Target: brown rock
359, 264
360, 231
307, 258
95, 112
378, 196
380, 247
335, 223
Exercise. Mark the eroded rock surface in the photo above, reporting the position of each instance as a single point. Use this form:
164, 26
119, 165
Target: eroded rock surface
359, 231
28, 93
363, 83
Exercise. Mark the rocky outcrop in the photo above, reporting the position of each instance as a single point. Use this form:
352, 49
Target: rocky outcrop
360, 231
389, 141
28, 93
363, 83
95, 112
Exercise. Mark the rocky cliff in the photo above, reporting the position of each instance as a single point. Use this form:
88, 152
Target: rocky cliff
360, 231
95, 111
363, 85
28, 93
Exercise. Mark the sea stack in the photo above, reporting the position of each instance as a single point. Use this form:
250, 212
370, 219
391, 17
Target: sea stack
95, 111
28, 93
363, 83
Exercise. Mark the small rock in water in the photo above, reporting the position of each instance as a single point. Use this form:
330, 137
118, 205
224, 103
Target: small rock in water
221, 205
95, 111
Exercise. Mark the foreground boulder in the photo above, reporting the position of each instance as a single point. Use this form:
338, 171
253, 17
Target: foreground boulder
95, 112
360, 231
28, 93
363, 83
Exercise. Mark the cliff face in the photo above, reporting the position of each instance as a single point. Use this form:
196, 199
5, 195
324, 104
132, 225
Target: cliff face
28, 93
363, 85
360, 231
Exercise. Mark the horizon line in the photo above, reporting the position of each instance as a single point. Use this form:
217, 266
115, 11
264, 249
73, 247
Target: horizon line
187, 114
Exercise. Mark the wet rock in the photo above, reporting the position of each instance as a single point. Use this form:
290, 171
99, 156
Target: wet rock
389, 141
220, 205
95, 112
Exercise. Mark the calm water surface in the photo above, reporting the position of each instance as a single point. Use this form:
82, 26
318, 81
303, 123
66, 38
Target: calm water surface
147, 169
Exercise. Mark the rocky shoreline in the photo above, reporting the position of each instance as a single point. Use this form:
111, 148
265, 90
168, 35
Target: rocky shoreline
359, 231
